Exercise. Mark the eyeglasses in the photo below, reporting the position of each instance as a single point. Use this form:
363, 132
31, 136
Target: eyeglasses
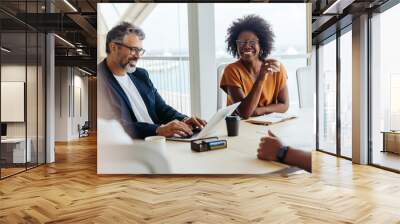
139, 51
242, 43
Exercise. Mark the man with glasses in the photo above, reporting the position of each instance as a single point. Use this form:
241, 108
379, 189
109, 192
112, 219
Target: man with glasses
133, 99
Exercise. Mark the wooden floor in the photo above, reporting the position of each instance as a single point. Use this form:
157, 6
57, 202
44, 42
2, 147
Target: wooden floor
387, 159
70, 191
5, 172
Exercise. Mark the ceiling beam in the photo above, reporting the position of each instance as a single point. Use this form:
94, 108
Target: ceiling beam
83, 23
337, 7
83, 61
137, 13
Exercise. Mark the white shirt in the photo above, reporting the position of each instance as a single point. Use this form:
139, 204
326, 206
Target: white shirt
135, 99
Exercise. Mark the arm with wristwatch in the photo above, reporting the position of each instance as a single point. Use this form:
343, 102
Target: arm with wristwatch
272, 149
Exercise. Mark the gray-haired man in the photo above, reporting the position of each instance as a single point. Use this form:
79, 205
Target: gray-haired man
134, 100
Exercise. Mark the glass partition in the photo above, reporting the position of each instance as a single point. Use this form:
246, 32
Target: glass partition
41, 96
327, 97
346, 94
385, 85
22, 89
14, 154
31, 99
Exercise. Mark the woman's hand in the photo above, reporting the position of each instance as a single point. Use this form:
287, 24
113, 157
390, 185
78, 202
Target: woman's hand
269, 66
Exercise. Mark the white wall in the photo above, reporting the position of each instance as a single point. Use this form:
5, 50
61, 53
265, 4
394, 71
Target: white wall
61, 103
33, 126
70, 84
79, 117
17, 73
14, 73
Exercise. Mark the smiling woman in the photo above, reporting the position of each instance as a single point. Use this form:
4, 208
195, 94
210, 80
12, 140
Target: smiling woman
255, 80
290, 42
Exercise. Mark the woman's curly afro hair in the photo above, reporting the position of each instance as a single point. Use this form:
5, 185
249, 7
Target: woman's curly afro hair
253, 23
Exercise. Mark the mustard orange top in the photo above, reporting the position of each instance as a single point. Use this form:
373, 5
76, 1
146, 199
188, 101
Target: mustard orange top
235, 74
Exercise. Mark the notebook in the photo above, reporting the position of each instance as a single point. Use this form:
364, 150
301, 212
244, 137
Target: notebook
271, 118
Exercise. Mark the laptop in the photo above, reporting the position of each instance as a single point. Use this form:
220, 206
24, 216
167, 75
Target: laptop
208, 129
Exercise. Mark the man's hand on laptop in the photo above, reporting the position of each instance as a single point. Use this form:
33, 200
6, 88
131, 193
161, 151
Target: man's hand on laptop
173, 128
195, 122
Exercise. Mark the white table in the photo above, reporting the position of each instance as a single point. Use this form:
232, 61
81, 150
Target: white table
19, 155
118, 154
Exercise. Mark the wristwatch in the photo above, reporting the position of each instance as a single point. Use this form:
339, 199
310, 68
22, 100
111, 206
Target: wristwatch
281, 154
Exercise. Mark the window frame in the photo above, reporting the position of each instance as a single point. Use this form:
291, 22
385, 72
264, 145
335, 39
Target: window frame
371, 14
334, 37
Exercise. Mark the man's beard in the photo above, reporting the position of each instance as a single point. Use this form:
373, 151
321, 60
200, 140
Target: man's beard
129, 67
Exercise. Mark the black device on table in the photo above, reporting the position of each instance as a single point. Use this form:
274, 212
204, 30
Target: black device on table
207, 144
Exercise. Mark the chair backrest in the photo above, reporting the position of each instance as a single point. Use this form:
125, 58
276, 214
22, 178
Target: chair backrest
86, 125
305, 86
221, 97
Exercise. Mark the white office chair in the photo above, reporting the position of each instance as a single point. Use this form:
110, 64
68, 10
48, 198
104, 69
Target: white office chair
221, 97
305, 86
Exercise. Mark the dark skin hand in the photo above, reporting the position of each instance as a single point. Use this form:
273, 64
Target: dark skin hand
270, 145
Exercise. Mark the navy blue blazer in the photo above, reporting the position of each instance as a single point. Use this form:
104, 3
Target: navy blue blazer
159, 111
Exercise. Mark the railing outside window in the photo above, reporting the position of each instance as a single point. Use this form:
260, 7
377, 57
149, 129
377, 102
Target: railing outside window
170, 75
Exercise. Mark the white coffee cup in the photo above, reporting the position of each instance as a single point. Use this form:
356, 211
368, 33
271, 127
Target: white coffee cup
160, 139
156, 142
149, 156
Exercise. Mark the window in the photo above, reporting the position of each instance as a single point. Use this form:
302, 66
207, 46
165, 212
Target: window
167, 53
112, 13
346, 94
327, 97
385, 86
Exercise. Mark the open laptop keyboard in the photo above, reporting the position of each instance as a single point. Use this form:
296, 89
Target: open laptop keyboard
195, 132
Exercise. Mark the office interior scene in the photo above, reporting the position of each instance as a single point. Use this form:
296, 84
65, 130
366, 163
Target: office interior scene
29, 60
195, 90
341, 68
